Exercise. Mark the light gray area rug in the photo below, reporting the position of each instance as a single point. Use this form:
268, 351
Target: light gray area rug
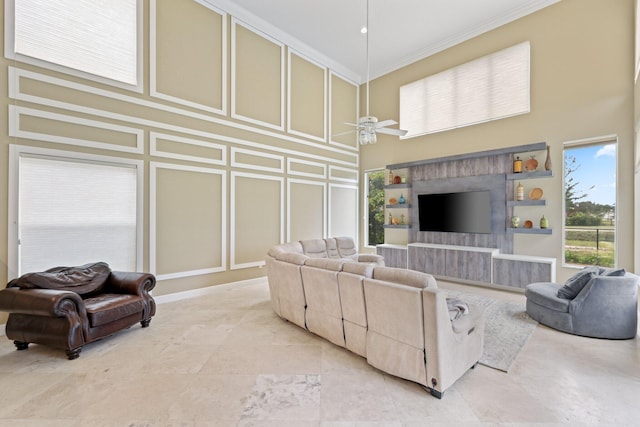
507, 329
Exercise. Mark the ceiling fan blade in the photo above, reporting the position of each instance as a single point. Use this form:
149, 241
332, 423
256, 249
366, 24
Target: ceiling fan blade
344, 133
353, 124
397, 132
385, 123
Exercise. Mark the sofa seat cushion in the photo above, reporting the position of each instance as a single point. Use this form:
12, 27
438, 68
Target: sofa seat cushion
546, 295
106, 308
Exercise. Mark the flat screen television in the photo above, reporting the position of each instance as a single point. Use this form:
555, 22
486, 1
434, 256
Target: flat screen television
462, 212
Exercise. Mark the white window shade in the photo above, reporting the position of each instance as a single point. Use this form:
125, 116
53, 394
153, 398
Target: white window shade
75, 212
93, 36
489, 88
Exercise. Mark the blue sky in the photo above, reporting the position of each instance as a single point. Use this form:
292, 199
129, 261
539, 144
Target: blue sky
598, 169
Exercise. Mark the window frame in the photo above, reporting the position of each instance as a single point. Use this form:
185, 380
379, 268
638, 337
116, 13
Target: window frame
365, 208
16, 151
602, 140
11, 54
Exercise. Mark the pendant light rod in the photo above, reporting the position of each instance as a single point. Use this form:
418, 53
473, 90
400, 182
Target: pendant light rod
367, 54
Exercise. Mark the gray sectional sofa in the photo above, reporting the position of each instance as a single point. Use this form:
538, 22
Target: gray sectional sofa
397, 319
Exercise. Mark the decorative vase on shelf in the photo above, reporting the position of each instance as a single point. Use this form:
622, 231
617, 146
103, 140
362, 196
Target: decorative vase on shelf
531, 164
547, 163
390, 177
544, 222
515, 221
401, 200
517, 165
520, 192
390, 220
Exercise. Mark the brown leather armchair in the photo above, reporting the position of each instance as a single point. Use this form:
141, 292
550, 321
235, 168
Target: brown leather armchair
68, 307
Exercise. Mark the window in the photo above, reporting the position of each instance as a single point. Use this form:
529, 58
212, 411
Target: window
493, 87
99, 37
71, 211
590, 203
374, 207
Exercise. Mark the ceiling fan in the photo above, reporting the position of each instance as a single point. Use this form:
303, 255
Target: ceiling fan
368, 125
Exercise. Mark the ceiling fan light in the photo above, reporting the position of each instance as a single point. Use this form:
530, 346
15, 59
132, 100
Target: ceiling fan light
373, 138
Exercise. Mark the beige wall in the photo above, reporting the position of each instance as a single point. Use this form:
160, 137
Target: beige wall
233, 162
581, 87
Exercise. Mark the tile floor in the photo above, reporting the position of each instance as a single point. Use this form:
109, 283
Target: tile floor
225, 359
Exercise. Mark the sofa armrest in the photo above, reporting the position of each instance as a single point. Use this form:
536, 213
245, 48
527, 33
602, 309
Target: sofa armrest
377, 259
122, 282
41, 302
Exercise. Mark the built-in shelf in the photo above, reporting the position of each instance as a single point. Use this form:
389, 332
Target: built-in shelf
529, 175
405, 226
398, 186
526, 202
522, 230
399, 206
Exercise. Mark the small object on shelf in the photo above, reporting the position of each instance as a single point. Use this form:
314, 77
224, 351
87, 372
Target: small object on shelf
515, 221
528, 224
536, 193
531, 164
520, 192
404, 180
401, 200
390, 177
517, 165
390, 219
395, 221
547, 163
393, 201
544, 222
402, 219
397, 180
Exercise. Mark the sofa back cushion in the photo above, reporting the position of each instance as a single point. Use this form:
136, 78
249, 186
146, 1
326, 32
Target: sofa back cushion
403, 276
314, 248
346, 247
332, 248
575, 283
83, 280
291, 247
326, 263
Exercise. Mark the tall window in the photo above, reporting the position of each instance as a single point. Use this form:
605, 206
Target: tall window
590, 203
489, 88
99, 37
374, 181
71, 212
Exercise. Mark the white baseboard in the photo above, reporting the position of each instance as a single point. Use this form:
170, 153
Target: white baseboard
177, 296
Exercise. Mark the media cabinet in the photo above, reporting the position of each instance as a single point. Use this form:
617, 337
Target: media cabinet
482, 258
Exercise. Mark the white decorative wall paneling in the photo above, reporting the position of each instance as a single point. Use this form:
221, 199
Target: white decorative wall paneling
15, 92
16, 113
357, 112
291, 168
343, 211
154, 167
152, 60
241, 158
234, 24
294, 181
218, 151
337, 173
257, 224
292, 131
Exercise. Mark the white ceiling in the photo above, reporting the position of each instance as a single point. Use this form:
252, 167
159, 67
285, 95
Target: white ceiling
400, 31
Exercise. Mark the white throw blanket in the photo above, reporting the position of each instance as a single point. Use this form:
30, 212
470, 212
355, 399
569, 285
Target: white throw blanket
456, 308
